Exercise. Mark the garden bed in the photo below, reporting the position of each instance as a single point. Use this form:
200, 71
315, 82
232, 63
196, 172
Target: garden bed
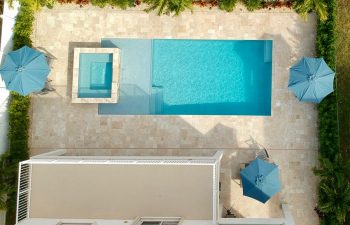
343, 74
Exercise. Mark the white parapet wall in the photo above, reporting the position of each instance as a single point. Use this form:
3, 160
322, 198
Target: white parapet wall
4, 98
2, 217
286, 220
42, 221
8, 22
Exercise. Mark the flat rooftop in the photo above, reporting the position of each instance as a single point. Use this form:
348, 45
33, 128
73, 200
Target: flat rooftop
117, 191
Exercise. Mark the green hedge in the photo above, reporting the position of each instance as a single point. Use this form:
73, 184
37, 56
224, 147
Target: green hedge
328, 116
17, 152
123, 4
328, 127
253, 4
227, 5
24, 26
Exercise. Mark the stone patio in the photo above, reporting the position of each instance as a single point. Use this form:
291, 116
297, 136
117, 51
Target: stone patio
290, 134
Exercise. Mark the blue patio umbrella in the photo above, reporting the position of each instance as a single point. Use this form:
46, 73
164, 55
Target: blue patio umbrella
25, 70
311, 79
260, 180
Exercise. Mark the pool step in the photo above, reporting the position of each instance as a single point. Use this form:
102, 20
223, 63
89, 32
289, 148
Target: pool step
267, 51
93, 93
156, 101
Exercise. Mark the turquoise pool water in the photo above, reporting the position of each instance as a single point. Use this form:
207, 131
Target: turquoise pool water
193, 77
95, 75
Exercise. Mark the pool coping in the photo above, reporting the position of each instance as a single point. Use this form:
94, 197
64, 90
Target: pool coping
115, 75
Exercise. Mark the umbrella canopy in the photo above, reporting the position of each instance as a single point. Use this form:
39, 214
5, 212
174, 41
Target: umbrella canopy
311, 79
260, 180
25, 70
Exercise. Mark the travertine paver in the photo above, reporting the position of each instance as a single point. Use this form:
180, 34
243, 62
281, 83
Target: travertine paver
290, 133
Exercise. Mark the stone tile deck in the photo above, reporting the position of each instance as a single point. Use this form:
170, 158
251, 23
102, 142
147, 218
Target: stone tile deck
290, 133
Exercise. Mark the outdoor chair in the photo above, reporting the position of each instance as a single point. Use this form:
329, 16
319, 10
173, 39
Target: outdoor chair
262, 154
48, 88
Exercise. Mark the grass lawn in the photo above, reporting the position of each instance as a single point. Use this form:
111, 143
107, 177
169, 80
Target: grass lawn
343, 74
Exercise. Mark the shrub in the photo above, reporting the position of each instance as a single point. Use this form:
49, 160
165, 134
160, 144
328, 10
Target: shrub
334, 190
334, 200
227, 5
37, 4
18, 125
178, 6
99, 3
326, 35
123, 4
168, 6
328, 127
252, 4
18, 151
24, 26
47, 3
79, 2
327, 109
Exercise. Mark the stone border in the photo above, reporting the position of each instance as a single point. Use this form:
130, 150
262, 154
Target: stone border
115, 79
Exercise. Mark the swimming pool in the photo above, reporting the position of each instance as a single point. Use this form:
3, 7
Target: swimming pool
95, 75
193, 77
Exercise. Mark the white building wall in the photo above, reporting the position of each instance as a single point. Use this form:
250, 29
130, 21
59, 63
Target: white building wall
2, 217
39, 221
8, 22
286, 220
4, 97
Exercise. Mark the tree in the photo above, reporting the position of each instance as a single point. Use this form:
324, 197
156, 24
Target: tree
334, 191
332, 170
335, 199
5, 188
168, 6
303, 7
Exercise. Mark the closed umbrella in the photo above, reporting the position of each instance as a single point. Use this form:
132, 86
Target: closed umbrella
25, 70
260, 180
311, 79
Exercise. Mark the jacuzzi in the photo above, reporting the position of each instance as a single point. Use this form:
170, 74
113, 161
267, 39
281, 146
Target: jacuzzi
95, 75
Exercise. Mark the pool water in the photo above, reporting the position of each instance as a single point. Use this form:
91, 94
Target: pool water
95, 75
193, 77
